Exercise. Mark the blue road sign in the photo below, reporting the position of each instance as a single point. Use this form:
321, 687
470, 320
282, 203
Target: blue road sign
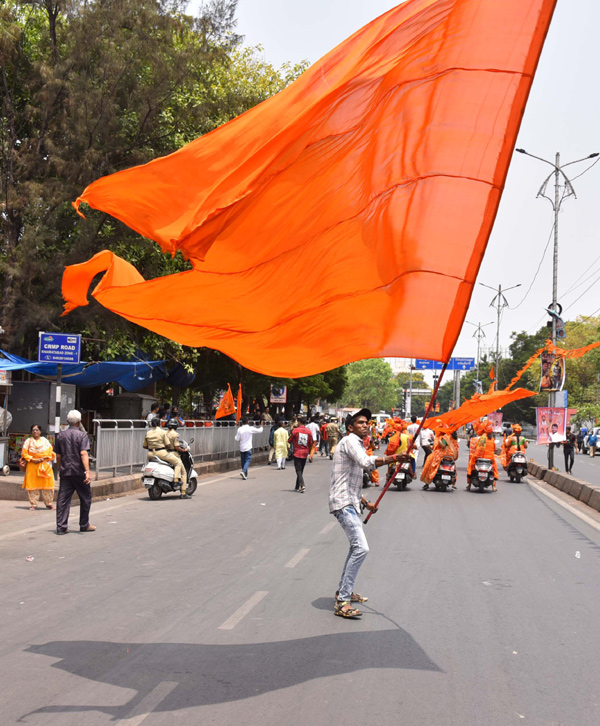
59, 348
456, 364
463, 364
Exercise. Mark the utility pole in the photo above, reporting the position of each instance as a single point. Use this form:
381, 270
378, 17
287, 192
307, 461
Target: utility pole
409, 402
480, 335
569, 191
499, 302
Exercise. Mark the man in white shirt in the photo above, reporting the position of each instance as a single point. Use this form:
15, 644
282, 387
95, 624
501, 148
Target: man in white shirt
313, 427
346, 502
153, 414
244, 436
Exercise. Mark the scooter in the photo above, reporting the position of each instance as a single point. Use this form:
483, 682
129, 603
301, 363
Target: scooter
483, 474
517, 467
404, 476
446, 474
158, 475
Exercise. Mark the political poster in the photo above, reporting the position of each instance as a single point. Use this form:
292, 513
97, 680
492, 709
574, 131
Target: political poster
278, 394
495, 418
553, 372
551, 425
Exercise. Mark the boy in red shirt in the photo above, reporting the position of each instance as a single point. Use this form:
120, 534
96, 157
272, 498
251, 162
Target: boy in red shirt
302, 441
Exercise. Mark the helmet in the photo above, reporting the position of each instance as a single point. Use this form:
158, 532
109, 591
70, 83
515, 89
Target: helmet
173, 423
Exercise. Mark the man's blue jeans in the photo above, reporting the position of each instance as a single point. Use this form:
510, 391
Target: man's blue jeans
246, 456
359, 549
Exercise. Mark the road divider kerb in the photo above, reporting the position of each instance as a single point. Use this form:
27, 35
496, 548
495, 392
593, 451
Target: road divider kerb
583, 491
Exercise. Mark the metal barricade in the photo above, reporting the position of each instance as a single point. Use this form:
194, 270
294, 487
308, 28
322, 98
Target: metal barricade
119, 442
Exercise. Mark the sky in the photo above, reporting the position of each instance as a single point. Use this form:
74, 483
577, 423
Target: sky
562, 115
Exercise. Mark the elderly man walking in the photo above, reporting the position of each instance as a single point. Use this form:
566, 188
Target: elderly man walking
346, 502
72, 458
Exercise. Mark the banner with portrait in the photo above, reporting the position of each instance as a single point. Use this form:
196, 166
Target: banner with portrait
553, 372
495, 419
551, 425
278, 394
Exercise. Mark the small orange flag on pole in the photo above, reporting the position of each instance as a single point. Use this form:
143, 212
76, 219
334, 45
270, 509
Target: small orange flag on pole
227, 407
492, 374
238, 413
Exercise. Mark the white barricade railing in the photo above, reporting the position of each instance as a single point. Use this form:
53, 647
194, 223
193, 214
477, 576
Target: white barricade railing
119, 442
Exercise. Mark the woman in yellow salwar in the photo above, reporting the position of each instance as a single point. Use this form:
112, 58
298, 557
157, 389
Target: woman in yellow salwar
445, 445
39, 454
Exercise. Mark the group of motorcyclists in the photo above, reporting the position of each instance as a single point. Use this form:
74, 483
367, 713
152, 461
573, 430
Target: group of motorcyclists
439, 467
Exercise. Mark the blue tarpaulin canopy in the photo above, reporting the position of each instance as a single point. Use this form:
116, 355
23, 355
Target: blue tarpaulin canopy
130, 375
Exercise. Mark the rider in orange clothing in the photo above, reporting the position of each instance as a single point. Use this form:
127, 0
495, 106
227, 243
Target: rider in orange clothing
511, 444
485, 448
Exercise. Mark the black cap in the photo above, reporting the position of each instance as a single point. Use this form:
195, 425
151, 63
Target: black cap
351, 418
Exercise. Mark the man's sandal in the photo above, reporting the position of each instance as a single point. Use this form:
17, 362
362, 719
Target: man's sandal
344, 610
355, 597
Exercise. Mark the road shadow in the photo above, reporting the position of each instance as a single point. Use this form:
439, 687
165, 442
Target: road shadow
212, 674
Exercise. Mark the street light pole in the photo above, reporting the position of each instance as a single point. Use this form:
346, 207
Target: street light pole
569, 191
479, 334
499, 302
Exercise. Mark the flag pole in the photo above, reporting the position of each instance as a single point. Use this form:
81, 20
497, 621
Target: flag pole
390, 479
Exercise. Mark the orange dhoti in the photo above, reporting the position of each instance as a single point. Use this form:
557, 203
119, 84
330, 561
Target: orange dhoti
444, 445
485, 448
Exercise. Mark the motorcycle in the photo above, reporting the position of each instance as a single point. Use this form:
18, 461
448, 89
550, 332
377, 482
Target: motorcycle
158, 475
446, 474
404, 476
483, 474
517, 467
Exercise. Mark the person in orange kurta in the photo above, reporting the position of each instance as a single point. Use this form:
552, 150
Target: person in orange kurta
511, 444
369, 444
39, 454
445, 445
484, 449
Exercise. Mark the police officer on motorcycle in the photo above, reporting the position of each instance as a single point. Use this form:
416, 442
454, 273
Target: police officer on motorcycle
174, 446
158, 444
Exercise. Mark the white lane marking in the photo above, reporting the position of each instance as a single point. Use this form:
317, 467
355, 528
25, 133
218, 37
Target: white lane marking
296, 558
588, 520
148, 704
327, 528
240, 613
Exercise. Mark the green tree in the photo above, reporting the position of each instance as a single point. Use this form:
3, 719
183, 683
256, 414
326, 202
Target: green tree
371, 383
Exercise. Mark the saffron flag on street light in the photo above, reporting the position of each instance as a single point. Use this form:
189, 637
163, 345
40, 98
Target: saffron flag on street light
373, 181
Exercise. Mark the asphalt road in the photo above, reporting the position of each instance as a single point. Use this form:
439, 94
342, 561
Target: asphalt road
483, 611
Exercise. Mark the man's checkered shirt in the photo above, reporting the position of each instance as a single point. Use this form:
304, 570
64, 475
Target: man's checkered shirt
349, 461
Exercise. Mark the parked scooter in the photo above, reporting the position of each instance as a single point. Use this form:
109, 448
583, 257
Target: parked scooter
404, 476
517, 467
158, 475
483, 474
446, 474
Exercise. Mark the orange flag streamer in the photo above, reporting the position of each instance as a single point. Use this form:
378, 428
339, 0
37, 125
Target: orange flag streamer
476, 407
238, 409
492, 374
374, 178
573, 353
227, 406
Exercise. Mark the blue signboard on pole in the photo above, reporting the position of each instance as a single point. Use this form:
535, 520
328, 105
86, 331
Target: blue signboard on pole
422, 364
59, 348
463, 364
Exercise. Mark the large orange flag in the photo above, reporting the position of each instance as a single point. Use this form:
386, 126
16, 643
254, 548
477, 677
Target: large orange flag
372, 181
227, 406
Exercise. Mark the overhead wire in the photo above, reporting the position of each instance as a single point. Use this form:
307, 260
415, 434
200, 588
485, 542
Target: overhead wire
537, 272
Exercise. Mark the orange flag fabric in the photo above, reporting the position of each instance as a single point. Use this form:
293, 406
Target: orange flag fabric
374, 179
573, 353
492, 374
227, 406
476, 407
238, 408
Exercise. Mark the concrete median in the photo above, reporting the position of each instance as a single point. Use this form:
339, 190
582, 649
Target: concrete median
583, 491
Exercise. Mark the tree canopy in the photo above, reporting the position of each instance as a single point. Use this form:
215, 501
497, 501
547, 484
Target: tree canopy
371, 383
88, 89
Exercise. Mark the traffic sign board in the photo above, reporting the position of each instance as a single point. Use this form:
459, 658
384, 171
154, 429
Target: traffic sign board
463, 364
59, 348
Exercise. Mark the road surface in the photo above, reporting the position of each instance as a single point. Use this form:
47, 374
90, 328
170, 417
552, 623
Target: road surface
482, 611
